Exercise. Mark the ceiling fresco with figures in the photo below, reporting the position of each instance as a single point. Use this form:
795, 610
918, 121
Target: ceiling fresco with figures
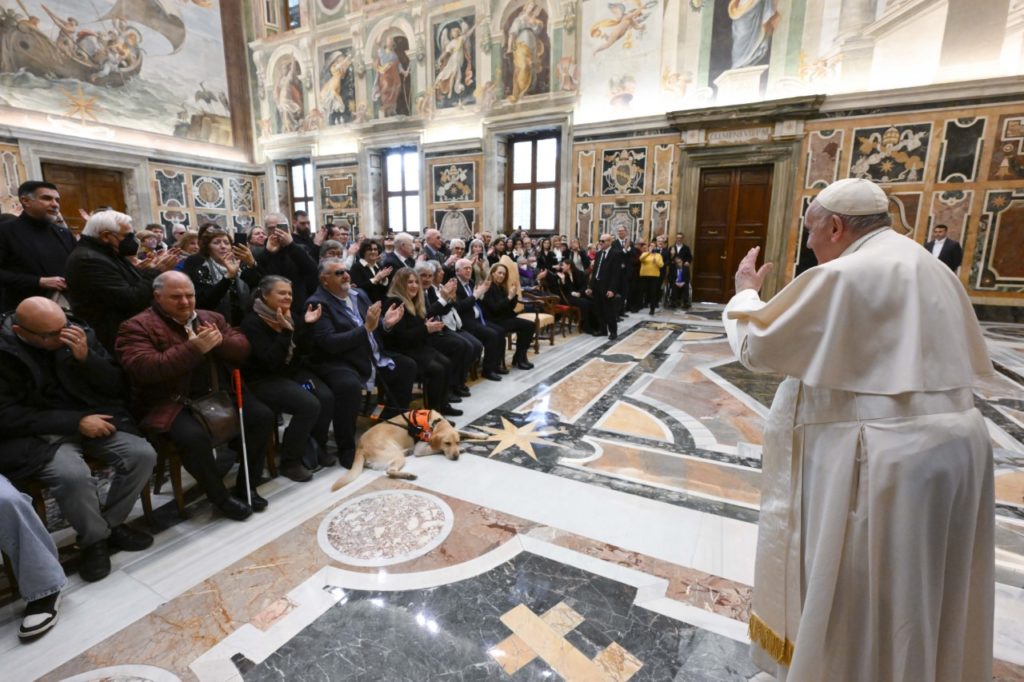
91, 66
353, 64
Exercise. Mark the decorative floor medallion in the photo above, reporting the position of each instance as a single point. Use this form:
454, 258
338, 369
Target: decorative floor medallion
385, 528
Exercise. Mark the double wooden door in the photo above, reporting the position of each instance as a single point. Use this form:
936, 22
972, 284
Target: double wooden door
85, 188
732, 218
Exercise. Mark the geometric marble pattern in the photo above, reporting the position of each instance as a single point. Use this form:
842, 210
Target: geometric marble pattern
385, 528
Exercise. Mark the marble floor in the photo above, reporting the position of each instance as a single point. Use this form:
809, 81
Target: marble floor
600, 525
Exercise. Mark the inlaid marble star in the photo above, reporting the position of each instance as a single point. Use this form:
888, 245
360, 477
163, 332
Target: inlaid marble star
80, 105
523, 437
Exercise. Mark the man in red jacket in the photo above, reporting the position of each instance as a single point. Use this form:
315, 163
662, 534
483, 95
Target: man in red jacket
173, 352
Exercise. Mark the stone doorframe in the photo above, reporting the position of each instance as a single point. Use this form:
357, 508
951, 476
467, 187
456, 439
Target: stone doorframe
759, 133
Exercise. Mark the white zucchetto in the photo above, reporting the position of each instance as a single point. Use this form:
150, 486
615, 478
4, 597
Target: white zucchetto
853, 196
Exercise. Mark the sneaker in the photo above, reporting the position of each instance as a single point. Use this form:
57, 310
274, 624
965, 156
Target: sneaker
129, 539
40, 616
95, 562
296, 472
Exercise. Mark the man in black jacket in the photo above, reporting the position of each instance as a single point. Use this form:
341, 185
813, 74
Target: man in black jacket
467, 304
60, 399
349, 352
104, 288
605, 283
283, 257
34, 246
402, 256
303, 236
946, 250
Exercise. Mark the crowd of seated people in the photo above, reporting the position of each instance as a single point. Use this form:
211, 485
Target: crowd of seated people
111, 338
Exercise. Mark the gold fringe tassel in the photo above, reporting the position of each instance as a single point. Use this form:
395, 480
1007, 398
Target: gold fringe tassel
777, 646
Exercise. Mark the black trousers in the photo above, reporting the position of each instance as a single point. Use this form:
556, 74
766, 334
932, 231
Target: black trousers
347, 387
492, 336
652, 291
435, 371
457, 350
523, 330
311, 411
196, 451
607, 310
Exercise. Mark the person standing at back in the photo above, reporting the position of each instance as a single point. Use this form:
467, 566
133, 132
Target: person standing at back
34, 247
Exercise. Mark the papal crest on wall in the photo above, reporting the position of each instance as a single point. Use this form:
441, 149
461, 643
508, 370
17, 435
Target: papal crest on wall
623, 171
891, 153
454, 182
629, 216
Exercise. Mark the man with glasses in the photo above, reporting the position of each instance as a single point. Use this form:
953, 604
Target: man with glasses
349, 352
60, 399
34, 247
605, 282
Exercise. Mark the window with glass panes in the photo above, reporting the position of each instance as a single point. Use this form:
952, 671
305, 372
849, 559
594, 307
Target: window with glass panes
291, 13
532, 194
303, 191
402, 208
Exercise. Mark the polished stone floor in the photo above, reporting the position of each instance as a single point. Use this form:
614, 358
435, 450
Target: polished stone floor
601, 525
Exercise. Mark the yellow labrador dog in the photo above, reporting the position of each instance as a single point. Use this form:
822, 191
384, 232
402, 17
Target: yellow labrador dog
384, 446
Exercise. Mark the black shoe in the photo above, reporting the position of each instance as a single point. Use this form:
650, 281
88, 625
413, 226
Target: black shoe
259, 504
95, 562
325, 459
462, 391
450, 411
612, 337
453, 398
652, 311
523, 364
235, 509
491, 376
40, 616
501, 370
129, 539
296, 472
598, 333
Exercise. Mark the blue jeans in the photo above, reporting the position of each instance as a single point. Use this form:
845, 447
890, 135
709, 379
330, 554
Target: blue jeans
25, 541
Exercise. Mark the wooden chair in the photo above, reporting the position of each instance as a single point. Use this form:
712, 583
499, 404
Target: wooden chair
543, 317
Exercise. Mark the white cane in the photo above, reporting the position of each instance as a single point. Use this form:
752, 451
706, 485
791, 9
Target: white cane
236, 377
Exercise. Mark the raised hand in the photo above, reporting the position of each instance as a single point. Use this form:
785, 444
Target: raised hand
748, 275
75, 339
372, 317
481, 289
449, 289
313, 313
233, 266
56, 283
243, 254
321, 235
206, 339
284, 237
393, 315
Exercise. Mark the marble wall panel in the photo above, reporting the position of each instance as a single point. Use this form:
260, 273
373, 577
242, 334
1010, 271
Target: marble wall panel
585, 173
891, 154
822, 158
961, 150
187, 196
904, 207
454, 196
12, 174
952, 209
664, 167
999, 254
1008, 151
338, 194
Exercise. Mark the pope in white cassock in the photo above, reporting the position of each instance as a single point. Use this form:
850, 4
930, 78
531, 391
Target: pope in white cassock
875, 549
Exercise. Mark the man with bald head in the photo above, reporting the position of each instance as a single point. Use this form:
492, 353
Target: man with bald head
60, 399
605, 286
875, 541
433, 246
173, 353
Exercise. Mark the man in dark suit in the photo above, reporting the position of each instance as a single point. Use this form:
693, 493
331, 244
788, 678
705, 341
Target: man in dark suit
34, 247
433, 246
605, 283
349, 352
467, 304
402, 256
680, 273
946, 250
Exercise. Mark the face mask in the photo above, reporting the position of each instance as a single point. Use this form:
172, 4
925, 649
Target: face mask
129, 246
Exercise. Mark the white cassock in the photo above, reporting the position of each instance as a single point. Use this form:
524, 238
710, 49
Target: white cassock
875, 553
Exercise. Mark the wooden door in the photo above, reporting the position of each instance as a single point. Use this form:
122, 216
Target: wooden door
85, 188
732, 217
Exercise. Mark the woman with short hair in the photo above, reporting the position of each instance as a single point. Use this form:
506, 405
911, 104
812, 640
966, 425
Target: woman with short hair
367, 272
223, 275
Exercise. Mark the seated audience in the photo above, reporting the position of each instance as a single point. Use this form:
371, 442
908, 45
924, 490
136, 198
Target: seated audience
60, 400
28, 546
34, 247
679, 283
284, 258
403, 256
569, 285
188, 245
410, 336
468, 296
173, 352
275, 372
224, 278
457, 247
439, 300
496, 251
546, 257
331, 249
348, 353
527, 273
368, 274
481, 267
104, 288
499, 304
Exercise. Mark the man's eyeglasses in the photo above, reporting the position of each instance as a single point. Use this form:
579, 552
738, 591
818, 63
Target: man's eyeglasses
46, 336
339, 273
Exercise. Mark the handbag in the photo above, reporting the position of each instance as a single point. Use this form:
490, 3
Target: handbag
216, 412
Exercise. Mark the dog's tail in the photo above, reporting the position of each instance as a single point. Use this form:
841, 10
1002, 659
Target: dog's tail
353, 473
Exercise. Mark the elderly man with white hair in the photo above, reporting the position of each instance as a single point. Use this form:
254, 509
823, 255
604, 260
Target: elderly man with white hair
402, 256
875, 544
104, 287
433, 246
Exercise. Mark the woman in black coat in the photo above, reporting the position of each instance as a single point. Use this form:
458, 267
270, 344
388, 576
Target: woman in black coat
275, 373
499, 304
410, 335
367, 273
225, 275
